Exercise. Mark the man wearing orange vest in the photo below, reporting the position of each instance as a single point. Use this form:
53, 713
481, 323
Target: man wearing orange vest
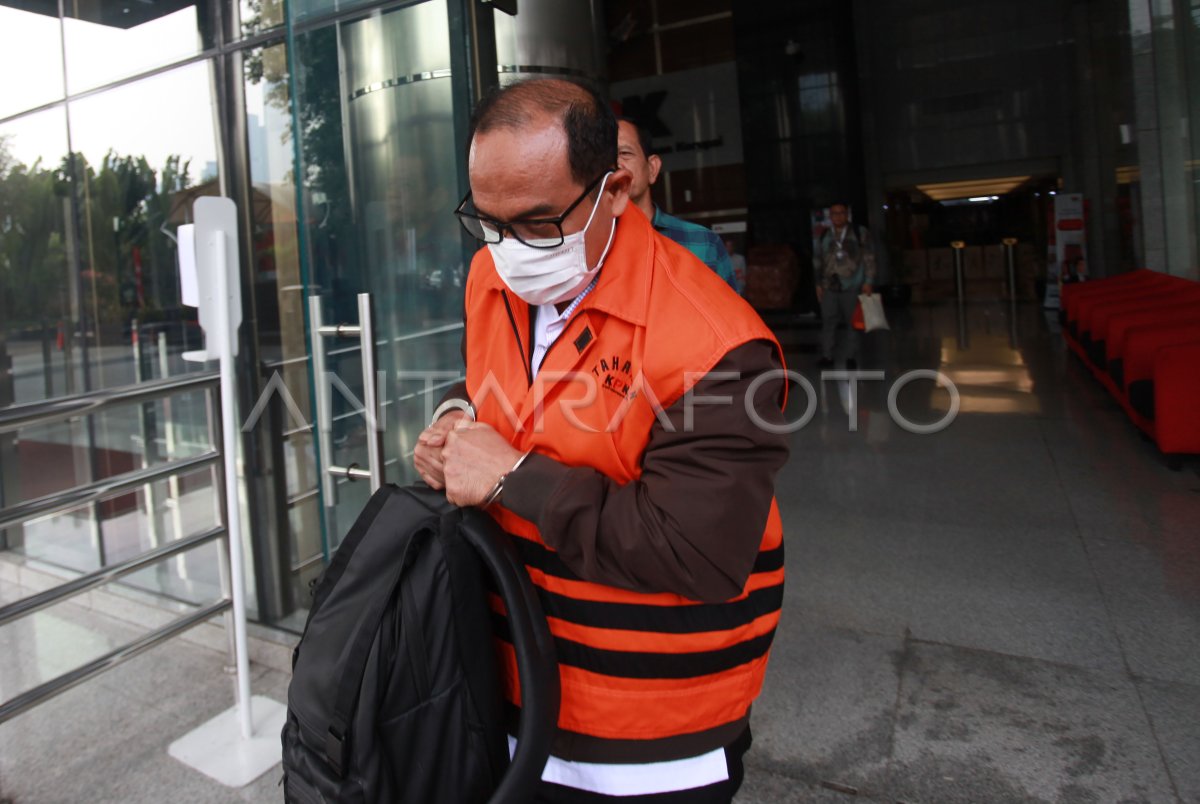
621, 418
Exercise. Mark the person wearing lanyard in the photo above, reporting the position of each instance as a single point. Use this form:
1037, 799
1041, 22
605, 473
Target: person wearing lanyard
621, 418
845, 267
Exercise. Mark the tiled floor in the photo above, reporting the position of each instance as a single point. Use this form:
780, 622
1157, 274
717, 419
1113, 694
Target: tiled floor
1004, 611
106, 740
1007, 610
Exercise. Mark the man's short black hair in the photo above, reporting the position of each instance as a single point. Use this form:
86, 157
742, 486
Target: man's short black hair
837, 202
643, 135
587, 119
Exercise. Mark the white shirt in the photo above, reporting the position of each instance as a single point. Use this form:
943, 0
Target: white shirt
635, 779
549, 324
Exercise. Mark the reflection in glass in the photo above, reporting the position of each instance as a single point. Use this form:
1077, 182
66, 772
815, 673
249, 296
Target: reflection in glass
90, 300
134, 523
258, 16
380, 178
135, 185
30, 47
280, 298
54, 458
38, 292
1190, 28
109, 41
304, 10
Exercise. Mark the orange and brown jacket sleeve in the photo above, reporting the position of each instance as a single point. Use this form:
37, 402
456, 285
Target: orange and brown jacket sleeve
692, 523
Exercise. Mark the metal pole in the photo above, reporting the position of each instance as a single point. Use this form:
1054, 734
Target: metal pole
958, 247
1010, 255
1010, 249
960, 292
139, 376
324, 400
211, 404
233, 520
47, 362
371, 392
164, 370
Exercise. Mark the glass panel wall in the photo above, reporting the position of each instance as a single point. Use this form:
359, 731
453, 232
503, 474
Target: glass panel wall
30, 47
259, 16
1190, 31
92, 190
106, 42
36, 285
380, 181
38, 292
280, 297
136, 185
104, 150
306, 10
1165, 36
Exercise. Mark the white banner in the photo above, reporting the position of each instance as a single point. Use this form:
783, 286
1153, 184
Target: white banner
1069, 262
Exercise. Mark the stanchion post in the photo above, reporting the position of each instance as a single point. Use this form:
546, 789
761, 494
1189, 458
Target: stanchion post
47, 365
959, 288
1010, 258
1010, 251
960, 291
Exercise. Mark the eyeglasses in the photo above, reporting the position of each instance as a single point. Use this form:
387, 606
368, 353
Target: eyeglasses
533, 232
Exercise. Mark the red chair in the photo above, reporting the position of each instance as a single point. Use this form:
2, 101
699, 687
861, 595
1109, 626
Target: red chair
1074, 292
1120, 326
1148, 290
1177, 401
1139, 334
1094, 339
1141, 350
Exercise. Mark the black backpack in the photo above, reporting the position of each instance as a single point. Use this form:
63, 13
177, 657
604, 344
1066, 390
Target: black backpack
395, 693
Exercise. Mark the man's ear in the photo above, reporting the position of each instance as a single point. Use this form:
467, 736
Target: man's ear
655, 167
617, 188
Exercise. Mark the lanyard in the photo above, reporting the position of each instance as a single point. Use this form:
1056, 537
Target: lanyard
841, 254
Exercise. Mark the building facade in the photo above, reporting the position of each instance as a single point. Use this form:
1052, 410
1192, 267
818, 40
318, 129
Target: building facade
338, 126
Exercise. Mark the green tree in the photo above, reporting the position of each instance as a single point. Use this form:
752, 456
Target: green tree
124, 214
32, 250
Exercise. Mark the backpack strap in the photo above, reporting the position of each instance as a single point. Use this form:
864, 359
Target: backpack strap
537, 665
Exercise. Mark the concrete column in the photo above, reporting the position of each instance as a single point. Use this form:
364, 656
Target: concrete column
875, 216
1095, 132
1171, 85
1167, 204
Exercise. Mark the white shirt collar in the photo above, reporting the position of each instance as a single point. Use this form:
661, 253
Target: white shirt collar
550, 323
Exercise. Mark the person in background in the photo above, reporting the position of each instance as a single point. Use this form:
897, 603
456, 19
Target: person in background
845, 267
739, 266
648, 523
635, 154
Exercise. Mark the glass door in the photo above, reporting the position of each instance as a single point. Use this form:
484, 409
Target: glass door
383, 261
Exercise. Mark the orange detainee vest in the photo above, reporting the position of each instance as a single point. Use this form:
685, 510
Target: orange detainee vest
634, 666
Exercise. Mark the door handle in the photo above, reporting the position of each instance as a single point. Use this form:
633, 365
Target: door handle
364, 331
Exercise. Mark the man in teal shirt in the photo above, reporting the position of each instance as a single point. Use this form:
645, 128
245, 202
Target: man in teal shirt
634, 154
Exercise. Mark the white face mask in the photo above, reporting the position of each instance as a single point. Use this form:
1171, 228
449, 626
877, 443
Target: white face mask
549, 275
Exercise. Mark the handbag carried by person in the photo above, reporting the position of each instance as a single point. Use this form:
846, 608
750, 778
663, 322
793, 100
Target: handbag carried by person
871, 307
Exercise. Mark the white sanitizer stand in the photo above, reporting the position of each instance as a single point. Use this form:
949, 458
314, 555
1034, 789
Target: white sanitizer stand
243, 742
